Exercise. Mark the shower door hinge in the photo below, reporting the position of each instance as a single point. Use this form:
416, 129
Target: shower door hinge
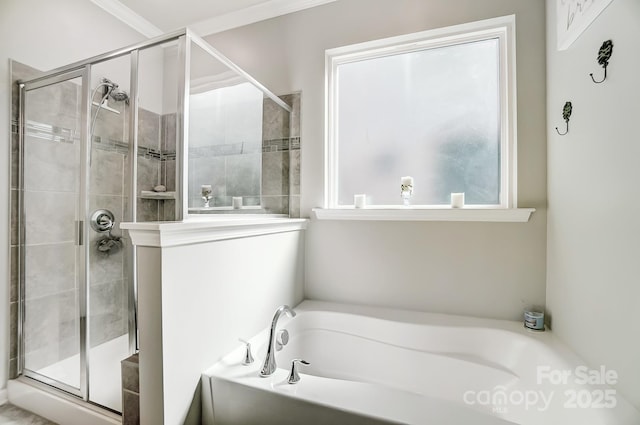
79, 231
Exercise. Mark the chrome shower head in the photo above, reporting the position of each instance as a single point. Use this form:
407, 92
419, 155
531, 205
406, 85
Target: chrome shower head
119, 96
111, 90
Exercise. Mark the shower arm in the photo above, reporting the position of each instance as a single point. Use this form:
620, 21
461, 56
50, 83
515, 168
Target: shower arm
110, 86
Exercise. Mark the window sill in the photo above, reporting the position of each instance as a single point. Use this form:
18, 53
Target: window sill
508, 215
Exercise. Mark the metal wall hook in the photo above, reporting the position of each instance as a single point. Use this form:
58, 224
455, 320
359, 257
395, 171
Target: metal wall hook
565, 132
604, 54
603, 78
566, 115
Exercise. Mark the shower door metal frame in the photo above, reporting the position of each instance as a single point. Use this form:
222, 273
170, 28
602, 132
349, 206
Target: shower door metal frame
84, 73
82, 70
132, 292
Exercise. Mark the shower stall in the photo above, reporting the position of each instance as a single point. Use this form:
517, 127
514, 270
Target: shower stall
158, 131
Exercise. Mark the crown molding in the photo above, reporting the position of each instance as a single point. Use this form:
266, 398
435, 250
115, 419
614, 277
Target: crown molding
129, 17
250, 15
260, 12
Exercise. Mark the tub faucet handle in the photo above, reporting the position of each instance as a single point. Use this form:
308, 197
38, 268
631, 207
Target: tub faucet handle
248, 357
294, 378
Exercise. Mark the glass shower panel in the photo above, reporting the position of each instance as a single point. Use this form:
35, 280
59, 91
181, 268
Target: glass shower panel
52, 272
107, 254
157, 117
225, 138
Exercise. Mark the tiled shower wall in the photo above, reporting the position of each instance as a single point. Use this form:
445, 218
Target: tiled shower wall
109, 188
232, 171
51, 331
281, 157
18, 71
167, 210
156, 164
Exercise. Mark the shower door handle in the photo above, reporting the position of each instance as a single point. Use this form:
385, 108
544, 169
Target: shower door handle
80, 232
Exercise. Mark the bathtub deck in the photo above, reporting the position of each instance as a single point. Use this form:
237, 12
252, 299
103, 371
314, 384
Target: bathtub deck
389, 366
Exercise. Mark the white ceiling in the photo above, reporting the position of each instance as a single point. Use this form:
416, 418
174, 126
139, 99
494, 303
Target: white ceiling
172, 14
155, 17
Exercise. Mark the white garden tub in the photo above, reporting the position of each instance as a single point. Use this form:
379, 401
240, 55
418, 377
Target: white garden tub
381, 366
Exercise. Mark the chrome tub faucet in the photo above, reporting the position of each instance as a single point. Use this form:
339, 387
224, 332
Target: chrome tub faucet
269, 366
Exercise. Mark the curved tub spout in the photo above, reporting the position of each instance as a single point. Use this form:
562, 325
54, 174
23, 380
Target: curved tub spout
269, 366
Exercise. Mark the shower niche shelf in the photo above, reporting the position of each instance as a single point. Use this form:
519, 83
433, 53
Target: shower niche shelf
149, 194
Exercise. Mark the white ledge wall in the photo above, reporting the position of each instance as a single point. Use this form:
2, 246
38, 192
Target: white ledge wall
195, 299
593, 288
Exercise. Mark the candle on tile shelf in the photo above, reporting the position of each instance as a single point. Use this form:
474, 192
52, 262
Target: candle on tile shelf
236, 202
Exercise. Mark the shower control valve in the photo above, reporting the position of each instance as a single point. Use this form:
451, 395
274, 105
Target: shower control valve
102, 221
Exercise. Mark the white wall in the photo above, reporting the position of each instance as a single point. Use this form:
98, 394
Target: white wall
483, 269
44, 35
593, 294
151, 79
192, 313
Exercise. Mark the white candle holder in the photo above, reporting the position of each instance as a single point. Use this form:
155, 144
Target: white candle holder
236, 202
457, 200
360, 201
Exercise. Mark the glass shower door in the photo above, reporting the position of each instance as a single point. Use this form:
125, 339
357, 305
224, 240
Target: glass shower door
109, 256
52, 278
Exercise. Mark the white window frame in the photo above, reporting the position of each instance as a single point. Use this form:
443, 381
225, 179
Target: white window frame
501, 28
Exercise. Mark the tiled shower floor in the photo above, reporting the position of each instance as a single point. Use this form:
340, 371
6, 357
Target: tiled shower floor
12, 415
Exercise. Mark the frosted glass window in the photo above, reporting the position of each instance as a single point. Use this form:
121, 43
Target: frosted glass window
438, 105
433, 114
